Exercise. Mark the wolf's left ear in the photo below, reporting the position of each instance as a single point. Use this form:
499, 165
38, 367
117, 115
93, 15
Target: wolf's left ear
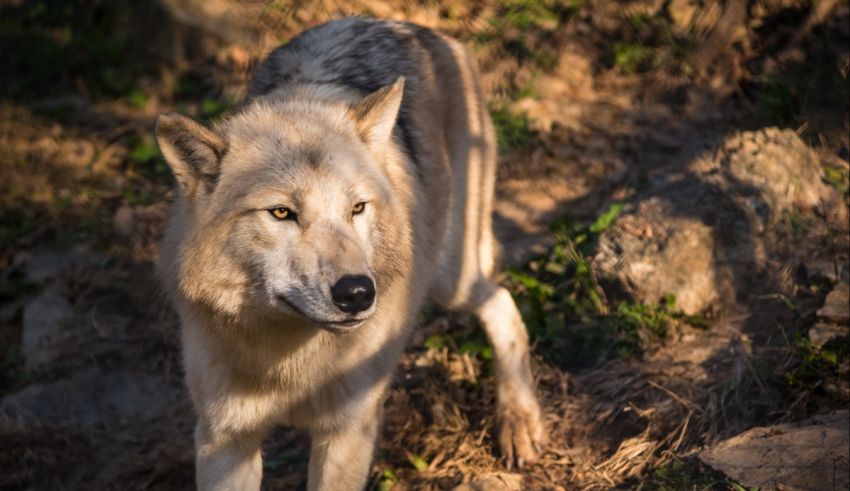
377, 113
192, 151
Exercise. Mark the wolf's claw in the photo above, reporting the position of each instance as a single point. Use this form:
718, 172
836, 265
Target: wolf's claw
520, 435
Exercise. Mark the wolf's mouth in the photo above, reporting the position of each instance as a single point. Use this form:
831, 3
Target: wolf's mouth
339, 326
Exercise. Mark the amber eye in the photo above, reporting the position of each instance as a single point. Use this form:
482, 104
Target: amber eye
358, 208
282, 213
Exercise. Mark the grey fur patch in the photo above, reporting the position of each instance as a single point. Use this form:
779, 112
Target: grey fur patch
358, 53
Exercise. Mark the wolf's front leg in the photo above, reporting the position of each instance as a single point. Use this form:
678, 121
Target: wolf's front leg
227, 462
521, 430
339, 460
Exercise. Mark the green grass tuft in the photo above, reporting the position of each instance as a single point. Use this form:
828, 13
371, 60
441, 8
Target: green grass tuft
837, 177
815, 364
632, 57
569, 314
690, 475
512, 130
649, 42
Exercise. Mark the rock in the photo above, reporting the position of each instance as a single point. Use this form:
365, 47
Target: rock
42, 329
834, 317
653, 253
496, 481
10, 309
50, 265
90, 398
705, 230
136, 221
688, 14
821, 333
836, 308
124, 221
777, 165
823, 269
810, 455
682, 12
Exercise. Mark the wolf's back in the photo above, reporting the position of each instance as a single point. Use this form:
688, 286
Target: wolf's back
358, 53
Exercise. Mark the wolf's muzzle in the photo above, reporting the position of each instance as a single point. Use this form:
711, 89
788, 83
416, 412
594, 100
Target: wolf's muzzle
353, 294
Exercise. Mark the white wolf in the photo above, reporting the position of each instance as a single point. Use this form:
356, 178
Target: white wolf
354, 183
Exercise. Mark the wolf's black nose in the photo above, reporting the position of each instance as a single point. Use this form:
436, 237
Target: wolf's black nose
353, 294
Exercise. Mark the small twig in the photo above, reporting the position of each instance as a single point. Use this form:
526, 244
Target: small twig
682, 433
436, 460
688, 404
754, 373
784, 334
788, 412
482, 434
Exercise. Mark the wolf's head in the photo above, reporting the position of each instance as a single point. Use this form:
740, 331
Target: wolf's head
287, 207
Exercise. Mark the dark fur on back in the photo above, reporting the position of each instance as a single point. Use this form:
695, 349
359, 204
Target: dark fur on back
359, 54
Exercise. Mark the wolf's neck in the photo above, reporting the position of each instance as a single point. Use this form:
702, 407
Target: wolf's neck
312, 92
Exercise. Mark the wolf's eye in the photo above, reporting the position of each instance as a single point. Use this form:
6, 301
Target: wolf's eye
282, 213
358, 208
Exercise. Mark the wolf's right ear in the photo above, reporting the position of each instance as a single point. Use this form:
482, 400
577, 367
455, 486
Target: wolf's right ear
377, 113
192, 151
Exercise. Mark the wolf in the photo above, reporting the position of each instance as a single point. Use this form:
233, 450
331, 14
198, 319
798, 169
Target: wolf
353, 184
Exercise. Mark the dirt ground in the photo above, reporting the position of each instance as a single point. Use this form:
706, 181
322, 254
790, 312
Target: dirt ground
595, 102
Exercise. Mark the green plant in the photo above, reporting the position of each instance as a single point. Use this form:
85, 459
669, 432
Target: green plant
527, 90
477, 347
632, 57
436, 342
776, 101
678, 475
690, 475
146, 159
69, 45
815, 364
212, 108
418, 463
531, 14
137, 196
137, 98
144, 151
837, 177
649, 42
812, 92
568, 312
466, 339
519, 26
388, 479
512, 129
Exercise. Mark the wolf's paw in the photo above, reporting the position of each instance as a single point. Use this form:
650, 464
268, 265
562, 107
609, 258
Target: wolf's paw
521, 434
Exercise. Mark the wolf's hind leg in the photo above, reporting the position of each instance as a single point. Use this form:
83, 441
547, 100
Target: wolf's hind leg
521, 429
